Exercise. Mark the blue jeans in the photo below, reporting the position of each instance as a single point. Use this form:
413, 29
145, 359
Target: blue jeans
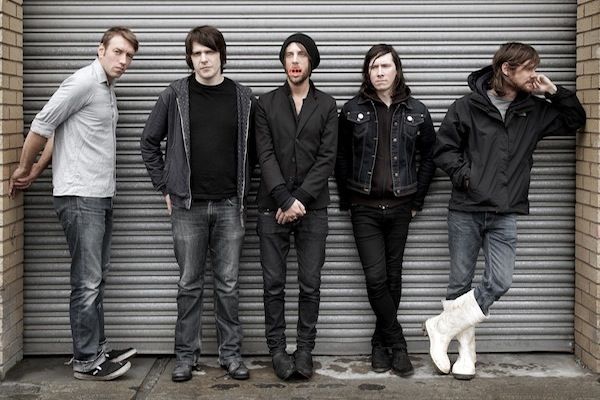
87, 223
467, 233
380, 236
213, 226
310, 233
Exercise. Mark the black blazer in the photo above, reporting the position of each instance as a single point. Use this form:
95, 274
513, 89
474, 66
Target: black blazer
296, 152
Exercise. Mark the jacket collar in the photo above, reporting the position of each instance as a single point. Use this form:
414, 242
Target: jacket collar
479, 83
311, 89
362, 99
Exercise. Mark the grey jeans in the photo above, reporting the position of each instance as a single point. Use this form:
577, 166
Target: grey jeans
87, 223
497, 235
211, 227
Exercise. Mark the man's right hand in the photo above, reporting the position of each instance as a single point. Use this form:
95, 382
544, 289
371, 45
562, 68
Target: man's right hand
18, 180
296, 211
168, 201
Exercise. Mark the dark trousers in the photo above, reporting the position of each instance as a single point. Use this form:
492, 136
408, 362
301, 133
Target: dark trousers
380, 236
310, 233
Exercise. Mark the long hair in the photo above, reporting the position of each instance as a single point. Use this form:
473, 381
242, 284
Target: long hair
126, 33
515, 54
208, 36
399, 87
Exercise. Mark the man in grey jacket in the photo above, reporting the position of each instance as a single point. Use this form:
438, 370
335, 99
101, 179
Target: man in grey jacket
204, 176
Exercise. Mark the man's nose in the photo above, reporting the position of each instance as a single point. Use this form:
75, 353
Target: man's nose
379, 71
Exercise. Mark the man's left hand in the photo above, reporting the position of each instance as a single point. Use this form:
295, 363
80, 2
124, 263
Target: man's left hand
542, 85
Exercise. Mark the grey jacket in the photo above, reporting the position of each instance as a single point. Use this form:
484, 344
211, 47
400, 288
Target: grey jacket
170, 172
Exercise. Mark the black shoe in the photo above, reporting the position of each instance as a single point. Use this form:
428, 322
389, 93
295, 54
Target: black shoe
120, 355
283, 365
106, 371
304, 363
381, 360
401, 363
182, 372
237, 370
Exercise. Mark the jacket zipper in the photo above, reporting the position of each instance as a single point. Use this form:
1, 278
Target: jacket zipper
187, 156
244, 165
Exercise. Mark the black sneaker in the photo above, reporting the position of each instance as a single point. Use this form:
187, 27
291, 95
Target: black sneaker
106, 371
120, 355
381, 360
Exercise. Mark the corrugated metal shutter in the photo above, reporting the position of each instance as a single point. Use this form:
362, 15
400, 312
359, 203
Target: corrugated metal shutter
440, 42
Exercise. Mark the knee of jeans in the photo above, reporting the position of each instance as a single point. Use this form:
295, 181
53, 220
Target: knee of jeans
502, 287
377, 290
274, 289
226, 284
190, 283
85, 294
312, 291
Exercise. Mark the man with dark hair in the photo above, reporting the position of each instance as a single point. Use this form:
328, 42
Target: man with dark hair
78, 128
204, 177
381, 132
485, 144
296, 138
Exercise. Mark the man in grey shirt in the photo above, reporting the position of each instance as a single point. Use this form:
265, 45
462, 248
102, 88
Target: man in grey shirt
78, 126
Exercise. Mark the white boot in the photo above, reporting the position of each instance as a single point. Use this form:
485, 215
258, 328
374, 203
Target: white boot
464, 367
442, 328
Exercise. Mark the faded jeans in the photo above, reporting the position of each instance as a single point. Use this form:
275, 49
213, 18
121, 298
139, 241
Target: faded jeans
497, 235
310, 233
215, 227
87, 223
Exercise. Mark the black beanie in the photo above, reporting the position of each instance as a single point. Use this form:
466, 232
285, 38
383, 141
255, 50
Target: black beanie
308, 44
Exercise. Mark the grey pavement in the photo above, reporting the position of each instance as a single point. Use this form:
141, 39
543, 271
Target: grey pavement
499, 376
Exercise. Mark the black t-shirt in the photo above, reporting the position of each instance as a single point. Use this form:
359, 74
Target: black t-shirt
214, 128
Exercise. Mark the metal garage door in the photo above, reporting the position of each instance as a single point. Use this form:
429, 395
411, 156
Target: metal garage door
440, 42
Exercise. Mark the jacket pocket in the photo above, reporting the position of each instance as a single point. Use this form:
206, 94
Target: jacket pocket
359, 121
412, 124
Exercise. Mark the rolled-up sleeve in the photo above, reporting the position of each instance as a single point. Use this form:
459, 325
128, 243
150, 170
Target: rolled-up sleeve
69, 98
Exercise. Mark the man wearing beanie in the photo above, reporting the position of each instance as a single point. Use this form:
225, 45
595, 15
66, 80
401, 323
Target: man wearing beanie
296, 139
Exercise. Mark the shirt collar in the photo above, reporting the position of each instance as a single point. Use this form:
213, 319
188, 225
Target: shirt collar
99, 72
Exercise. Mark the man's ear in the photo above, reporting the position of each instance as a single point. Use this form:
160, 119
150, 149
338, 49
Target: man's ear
505, 68
101, 50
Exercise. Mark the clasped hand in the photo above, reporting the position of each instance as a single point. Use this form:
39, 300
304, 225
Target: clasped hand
296, 211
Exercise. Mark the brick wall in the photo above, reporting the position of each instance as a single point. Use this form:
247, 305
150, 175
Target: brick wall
11, 212
587, 212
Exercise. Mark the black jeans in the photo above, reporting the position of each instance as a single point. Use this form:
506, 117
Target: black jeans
310, 233
380, 236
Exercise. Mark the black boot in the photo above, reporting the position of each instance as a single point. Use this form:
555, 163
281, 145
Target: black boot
304, 363
401, 363
283, 365
381, 361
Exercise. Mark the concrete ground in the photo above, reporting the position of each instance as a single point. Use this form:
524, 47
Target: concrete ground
499, 376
